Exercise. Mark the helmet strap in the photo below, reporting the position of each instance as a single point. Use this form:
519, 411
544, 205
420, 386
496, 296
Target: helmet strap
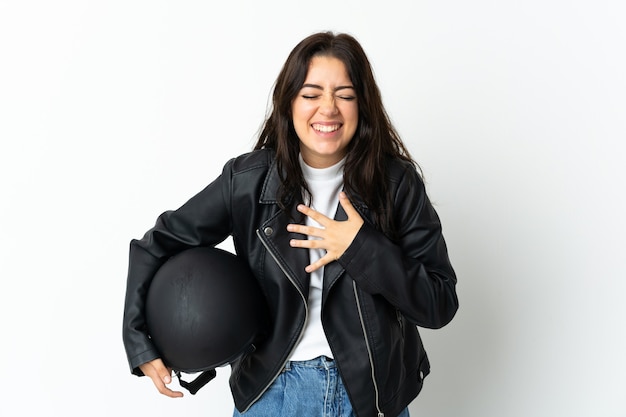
201, 380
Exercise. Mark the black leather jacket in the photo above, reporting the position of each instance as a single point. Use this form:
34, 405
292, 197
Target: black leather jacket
373, 298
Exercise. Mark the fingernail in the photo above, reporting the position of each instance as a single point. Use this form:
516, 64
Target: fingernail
167, 379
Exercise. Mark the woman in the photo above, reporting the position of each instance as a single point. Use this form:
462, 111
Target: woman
332, 216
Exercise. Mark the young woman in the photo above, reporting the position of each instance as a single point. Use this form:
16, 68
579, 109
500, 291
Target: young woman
333, 219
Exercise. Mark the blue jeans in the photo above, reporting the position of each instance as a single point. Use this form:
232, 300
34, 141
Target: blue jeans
310, 388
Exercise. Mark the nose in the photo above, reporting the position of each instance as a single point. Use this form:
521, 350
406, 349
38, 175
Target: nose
328, 106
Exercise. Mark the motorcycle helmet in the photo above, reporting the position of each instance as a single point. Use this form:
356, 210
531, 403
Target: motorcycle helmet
204, 309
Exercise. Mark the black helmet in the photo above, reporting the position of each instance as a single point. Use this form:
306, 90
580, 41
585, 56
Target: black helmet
204, 309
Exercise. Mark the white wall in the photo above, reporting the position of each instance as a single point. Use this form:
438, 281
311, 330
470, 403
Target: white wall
113, 111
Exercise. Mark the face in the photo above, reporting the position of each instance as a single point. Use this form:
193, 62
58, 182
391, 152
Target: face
325, 112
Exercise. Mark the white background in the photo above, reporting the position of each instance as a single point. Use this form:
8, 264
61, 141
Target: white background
114, 111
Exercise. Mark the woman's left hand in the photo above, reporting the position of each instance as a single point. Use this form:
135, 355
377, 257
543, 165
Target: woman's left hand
334, 236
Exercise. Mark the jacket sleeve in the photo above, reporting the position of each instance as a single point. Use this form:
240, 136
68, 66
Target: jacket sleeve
414, 274
204, 220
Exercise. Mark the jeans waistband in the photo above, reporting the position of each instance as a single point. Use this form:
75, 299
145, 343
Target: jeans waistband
319, 362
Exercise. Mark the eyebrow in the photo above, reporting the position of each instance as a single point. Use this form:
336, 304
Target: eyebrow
319, 87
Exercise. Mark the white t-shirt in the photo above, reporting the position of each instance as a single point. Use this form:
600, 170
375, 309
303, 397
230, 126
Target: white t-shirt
325, 185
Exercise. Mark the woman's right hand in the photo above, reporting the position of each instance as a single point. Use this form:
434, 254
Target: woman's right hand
160, 376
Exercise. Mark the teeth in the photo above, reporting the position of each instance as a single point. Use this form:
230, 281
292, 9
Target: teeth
325, 129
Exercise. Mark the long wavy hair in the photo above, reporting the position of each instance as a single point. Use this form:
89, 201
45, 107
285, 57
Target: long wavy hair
374, 141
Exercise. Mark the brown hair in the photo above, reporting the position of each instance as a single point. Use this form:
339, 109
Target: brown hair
374, 141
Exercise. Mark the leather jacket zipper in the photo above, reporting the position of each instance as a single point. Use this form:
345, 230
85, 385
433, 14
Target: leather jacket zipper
306, 318
400, 320
369, 350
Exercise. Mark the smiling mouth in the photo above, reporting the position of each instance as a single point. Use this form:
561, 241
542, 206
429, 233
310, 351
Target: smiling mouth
325, 128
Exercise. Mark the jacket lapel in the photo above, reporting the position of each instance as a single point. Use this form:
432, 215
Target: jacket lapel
334, 270
276, 237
